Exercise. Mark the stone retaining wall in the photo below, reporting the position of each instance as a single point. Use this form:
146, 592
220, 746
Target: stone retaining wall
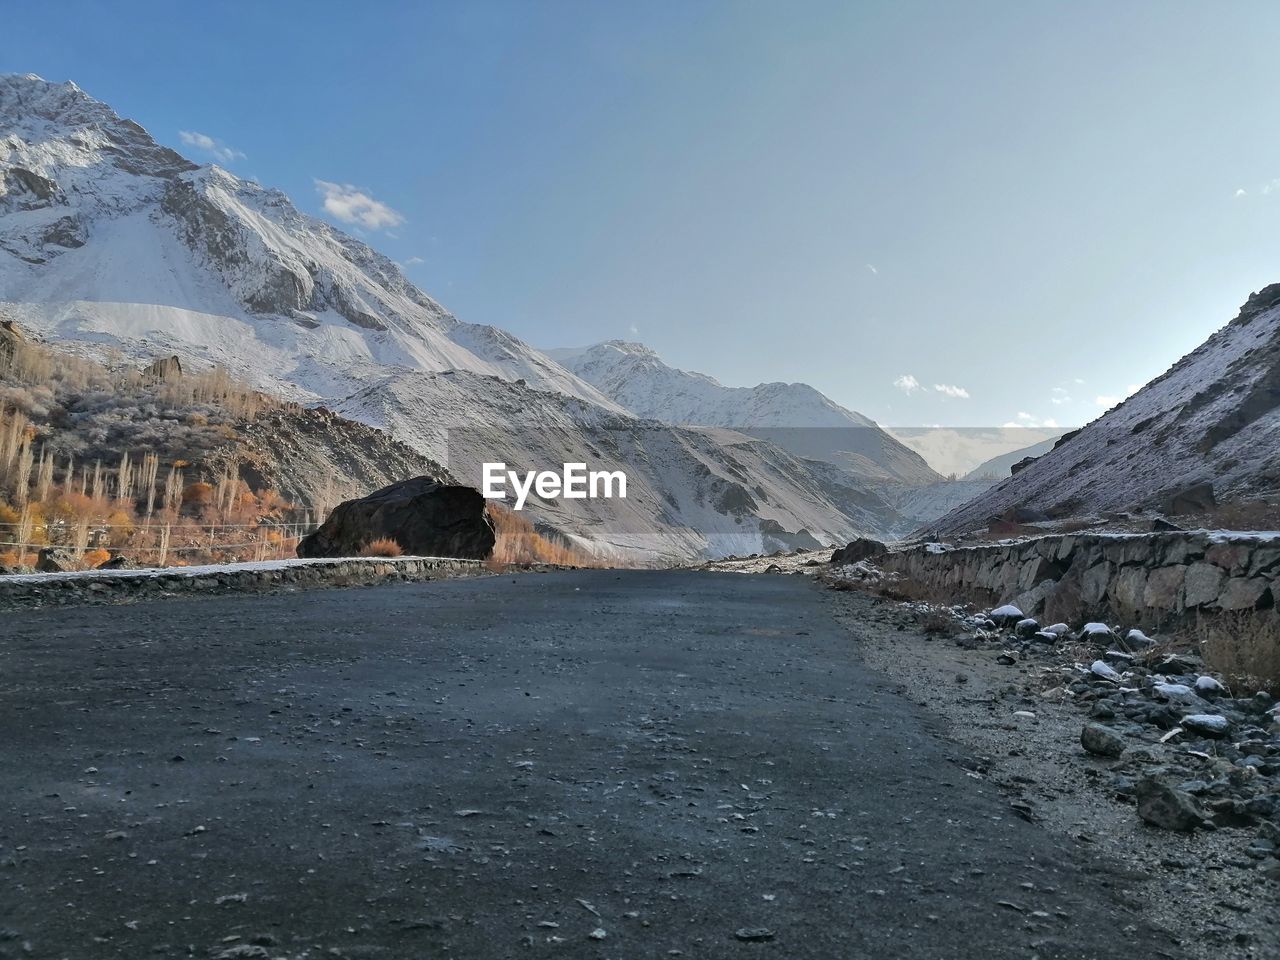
122, 586
1148, 579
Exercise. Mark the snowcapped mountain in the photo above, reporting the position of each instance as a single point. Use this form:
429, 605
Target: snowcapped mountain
794, 416
1213, 418
115, 238
112, 241
691, 491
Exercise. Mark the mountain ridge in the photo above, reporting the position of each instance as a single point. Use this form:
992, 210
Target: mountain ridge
1211, 421
113, 242
796, 416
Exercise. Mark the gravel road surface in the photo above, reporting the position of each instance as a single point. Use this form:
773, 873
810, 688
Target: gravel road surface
589, 764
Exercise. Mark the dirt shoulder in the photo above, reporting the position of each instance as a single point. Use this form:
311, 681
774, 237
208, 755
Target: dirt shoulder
1205, 887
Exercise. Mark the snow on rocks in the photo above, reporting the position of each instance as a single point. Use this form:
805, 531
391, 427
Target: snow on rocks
1100, 668
1137, 640
1026, 627
1178, 692
1096, 633
1176, 743
1006, 616
1207, 686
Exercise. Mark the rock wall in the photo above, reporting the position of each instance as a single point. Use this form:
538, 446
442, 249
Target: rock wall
1155, 580
122, 586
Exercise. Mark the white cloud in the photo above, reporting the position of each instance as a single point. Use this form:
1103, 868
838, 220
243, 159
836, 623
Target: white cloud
211, 145
635, 331
349, 204
1059, 396
907, 383
949, 390
414, 261
1241, 192
872, 268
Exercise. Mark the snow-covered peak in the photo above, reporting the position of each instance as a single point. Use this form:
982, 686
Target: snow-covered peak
59, 132
106, 235
794, 415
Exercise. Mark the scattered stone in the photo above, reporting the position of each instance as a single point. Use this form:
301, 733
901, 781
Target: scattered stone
1101, 741
754, 934
1176, 663
1164, 806
1207, 725
1006, 616
1026, 627
1137, 640
1104, 670
1096, 633
1209, 687
1176, 692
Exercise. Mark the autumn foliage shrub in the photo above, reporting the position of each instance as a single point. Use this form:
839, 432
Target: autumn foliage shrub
517, 542
96, 558
384, 547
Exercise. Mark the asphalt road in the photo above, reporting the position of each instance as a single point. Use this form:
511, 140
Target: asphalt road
593, 764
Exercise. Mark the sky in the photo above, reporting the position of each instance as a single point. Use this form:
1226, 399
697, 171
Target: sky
966, 214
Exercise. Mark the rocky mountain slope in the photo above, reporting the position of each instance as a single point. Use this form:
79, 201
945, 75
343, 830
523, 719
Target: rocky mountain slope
794, 416
691, 490
82, 412
115, 242
1211, 422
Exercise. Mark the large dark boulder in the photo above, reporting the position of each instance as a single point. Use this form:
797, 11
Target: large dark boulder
426, 517
863, 548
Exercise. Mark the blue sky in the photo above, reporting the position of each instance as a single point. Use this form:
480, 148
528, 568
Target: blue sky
957, 213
